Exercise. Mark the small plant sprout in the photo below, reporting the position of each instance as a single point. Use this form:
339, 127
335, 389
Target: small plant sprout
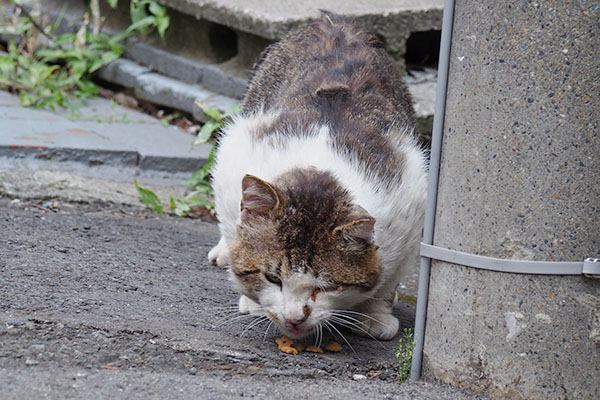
199, 183
404, 354
149, 198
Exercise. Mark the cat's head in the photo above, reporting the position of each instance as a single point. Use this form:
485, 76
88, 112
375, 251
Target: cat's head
303, 250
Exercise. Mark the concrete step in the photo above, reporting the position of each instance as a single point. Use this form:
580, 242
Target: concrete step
104, 135
210, 46
392, 20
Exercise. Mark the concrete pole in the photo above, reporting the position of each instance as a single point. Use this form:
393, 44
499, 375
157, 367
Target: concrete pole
519, 179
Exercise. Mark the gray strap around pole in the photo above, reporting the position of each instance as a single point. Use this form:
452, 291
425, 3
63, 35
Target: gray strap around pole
589, 267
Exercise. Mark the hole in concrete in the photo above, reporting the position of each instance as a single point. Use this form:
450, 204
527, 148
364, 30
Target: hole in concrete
423, 49
223, 41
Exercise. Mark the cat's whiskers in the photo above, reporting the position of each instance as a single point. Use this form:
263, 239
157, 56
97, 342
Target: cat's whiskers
318, 333
330, 326
254, 323
235, 310
267, 330
225, 308
232, 320
366, 316
354, 325
232, 311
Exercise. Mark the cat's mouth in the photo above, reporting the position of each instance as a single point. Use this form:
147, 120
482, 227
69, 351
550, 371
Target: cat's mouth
296, 330
292, 330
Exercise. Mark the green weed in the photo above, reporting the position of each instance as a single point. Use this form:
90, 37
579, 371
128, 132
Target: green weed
149, 198
48, 70
199, 183
404, 354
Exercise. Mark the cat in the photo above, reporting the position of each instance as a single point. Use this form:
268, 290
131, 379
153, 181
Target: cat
320, 184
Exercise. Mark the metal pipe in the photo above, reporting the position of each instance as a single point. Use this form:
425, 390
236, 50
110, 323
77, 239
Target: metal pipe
434, 169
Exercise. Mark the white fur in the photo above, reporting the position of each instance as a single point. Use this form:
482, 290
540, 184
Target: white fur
398, 210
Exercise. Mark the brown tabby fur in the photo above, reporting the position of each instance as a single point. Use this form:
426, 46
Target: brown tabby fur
332, 72
305, 233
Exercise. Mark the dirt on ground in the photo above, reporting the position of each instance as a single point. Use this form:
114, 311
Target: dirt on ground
100, 301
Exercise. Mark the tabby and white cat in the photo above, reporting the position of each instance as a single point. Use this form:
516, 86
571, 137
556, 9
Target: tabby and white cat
320, 183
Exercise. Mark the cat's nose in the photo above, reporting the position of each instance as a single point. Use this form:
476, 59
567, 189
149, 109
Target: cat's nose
294, 318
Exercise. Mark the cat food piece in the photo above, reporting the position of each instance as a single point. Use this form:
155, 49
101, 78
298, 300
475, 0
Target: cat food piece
333, 347
314, 349
299, 346
285, 345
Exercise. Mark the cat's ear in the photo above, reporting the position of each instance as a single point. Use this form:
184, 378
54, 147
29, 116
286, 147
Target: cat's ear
260, 199
358, 225
332, 90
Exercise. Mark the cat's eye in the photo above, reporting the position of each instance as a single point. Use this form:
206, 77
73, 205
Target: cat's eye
273, 279
315, 292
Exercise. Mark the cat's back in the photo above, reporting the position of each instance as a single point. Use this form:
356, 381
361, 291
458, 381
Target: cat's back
333, 72
328, 98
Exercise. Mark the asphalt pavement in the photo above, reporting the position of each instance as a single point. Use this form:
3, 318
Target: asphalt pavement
102, 299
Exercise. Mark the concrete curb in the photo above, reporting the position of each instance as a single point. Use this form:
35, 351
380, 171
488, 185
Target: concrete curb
165, 91
105, 135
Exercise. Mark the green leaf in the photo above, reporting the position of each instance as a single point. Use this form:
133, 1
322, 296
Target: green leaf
105, 59
137, 11
213, 113
206, 132
148, 197
12, 49
179, 207
113, 3
23, 61
24, 24
88, 88
50, 54
141, 25
78, 68
202, 188
156, 9
232, 110
197, 178
199, 202
162, 24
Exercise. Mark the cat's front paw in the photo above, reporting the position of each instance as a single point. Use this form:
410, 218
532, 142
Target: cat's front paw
378, 325
219, 254
248, 306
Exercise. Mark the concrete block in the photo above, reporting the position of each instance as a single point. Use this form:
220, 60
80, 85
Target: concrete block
168, 92
166, 63
175, 94
393, 20
122, 72
219, 81
520, 180
217, 102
